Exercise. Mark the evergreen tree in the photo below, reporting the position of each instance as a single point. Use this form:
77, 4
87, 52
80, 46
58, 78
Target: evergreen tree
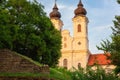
25, 28
113, 47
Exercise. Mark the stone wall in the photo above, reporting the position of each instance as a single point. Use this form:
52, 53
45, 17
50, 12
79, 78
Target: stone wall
14, 63
23, 78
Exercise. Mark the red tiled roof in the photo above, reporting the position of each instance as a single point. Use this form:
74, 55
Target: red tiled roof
100, 59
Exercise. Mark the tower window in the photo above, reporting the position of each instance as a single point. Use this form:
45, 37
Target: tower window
79, 28
65, 38
65, 63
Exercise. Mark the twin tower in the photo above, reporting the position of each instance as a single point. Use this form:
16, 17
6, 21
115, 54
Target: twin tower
75, 50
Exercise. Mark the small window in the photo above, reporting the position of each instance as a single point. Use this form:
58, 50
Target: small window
79, 28
79, 65
65, 63
65, 45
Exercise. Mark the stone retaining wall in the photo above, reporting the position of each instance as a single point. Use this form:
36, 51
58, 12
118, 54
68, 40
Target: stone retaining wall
23, 78
14, 63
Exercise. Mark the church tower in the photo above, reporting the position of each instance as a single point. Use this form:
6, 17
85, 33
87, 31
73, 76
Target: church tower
80, 36
75, 51
55, 18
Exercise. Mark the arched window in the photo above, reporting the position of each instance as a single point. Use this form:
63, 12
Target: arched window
65, 63
79, 28
65, 38
79, 65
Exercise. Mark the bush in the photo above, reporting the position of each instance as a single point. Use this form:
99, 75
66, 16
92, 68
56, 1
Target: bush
82, 74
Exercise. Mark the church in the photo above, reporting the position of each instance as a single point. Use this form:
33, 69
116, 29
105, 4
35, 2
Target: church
75, 49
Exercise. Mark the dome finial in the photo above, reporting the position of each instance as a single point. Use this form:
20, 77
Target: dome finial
55, 6
80, 3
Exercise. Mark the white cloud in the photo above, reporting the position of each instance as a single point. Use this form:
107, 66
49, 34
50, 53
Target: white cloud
101, 28
62, 6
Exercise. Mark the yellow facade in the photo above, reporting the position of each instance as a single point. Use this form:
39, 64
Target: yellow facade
57, 23
75, 49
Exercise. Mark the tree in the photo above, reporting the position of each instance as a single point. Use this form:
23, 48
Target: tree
113, 46
118, 1
26, 29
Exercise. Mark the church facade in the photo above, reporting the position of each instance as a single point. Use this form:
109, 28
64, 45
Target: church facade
75, 49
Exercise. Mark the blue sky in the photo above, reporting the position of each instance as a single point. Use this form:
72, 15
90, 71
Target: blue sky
99, 12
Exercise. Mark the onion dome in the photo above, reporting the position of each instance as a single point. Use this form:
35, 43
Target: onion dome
80, 10
55, 13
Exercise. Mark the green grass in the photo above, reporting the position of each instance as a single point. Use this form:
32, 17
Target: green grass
60, 74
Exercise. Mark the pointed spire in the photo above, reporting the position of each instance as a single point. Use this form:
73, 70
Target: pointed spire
55, 6
80, 3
